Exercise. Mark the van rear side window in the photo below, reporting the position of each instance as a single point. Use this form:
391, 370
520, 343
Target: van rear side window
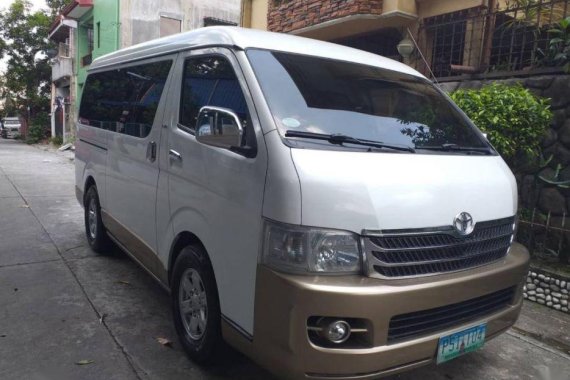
125, 100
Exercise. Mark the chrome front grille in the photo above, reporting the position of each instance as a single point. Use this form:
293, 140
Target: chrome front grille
422, 252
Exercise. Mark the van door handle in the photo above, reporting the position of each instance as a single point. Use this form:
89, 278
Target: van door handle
151, 151
174, 155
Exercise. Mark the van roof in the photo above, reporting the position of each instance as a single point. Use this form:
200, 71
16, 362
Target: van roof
243, 38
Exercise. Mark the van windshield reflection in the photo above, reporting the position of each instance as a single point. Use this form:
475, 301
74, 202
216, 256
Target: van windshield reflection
329, 97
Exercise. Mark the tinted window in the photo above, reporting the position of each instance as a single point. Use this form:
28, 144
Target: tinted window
124, 100
320, 95
210, 81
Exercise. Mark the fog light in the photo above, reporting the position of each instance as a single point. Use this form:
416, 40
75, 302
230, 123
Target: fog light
338, 332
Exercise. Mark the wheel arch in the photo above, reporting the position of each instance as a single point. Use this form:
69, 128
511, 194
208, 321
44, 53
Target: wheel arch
182, 240
90, 181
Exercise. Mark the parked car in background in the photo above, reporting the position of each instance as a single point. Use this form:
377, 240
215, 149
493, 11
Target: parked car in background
11, 127
327, 211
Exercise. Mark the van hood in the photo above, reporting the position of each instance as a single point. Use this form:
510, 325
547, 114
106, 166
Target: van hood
379, 191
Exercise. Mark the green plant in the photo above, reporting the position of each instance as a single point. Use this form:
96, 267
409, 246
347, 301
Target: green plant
57, 140
558, 51
555, 180
36, 133
514, 119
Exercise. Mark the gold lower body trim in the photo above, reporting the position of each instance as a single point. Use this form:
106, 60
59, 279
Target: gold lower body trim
284, 303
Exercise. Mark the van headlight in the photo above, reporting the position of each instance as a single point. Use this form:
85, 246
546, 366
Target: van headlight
300, 249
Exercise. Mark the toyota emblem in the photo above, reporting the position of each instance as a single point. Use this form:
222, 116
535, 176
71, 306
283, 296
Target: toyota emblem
463, 223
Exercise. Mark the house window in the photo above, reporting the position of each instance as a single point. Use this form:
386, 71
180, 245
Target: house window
98, 34
88, 56
89, 40
169, 26
212, 21
447, 33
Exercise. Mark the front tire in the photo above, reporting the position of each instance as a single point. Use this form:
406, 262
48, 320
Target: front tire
195, 304
94, 229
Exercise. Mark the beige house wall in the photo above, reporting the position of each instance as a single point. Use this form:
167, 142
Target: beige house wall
254, 14
430, 8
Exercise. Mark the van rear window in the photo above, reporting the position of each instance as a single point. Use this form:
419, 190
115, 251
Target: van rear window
124, 100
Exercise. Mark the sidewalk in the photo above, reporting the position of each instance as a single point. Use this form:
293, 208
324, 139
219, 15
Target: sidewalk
546, 325
69, 153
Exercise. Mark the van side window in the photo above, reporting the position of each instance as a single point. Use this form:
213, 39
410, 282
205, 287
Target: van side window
124, 100
211, 81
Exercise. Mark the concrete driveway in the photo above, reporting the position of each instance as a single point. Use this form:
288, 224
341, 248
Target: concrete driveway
67, 313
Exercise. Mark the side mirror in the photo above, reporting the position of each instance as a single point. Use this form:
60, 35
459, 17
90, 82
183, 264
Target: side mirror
219, 127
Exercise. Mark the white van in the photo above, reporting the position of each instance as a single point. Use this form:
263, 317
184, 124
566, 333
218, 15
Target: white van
11, 127
329, 212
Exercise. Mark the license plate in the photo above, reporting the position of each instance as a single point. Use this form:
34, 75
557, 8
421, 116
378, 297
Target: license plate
459, 343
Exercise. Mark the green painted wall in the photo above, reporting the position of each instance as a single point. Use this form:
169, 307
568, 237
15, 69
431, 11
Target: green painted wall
103, 18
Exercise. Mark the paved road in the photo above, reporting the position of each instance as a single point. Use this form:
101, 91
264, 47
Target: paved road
61, 304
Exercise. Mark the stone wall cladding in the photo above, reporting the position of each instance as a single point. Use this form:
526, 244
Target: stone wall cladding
547, 289
288, 15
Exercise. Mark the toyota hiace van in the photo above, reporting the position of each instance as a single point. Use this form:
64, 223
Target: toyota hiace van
329, 212
11, 127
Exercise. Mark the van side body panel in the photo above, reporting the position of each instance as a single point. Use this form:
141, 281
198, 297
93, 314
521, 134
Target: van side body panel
132, 174
217, 195
91, 160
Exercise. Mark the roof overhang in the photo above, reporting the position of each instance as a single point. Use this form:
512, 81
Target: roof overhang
77, 8
60, 30
355, 24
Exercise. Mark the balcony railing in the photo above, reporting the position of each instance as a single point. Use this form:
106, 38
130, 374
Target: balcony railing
61, 68
63, 50
481, 40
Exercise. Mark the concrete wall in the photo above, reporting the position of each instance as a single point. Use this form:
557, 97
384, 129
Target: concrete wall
140, 19
196, 10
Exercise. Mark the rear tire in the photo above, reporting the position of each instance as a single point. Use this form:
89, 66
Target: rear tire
195, 305
94, 229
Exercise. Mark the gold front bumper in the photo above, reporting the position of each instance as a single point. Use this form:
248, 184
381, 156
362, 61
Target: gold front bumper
285, 302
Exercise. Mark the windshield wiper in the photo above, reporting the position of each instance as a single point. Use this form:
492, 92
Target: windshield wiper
340, 139
457, 148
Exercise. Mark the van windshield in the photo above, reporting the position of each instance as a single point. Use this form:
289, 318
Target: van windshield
310, 95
